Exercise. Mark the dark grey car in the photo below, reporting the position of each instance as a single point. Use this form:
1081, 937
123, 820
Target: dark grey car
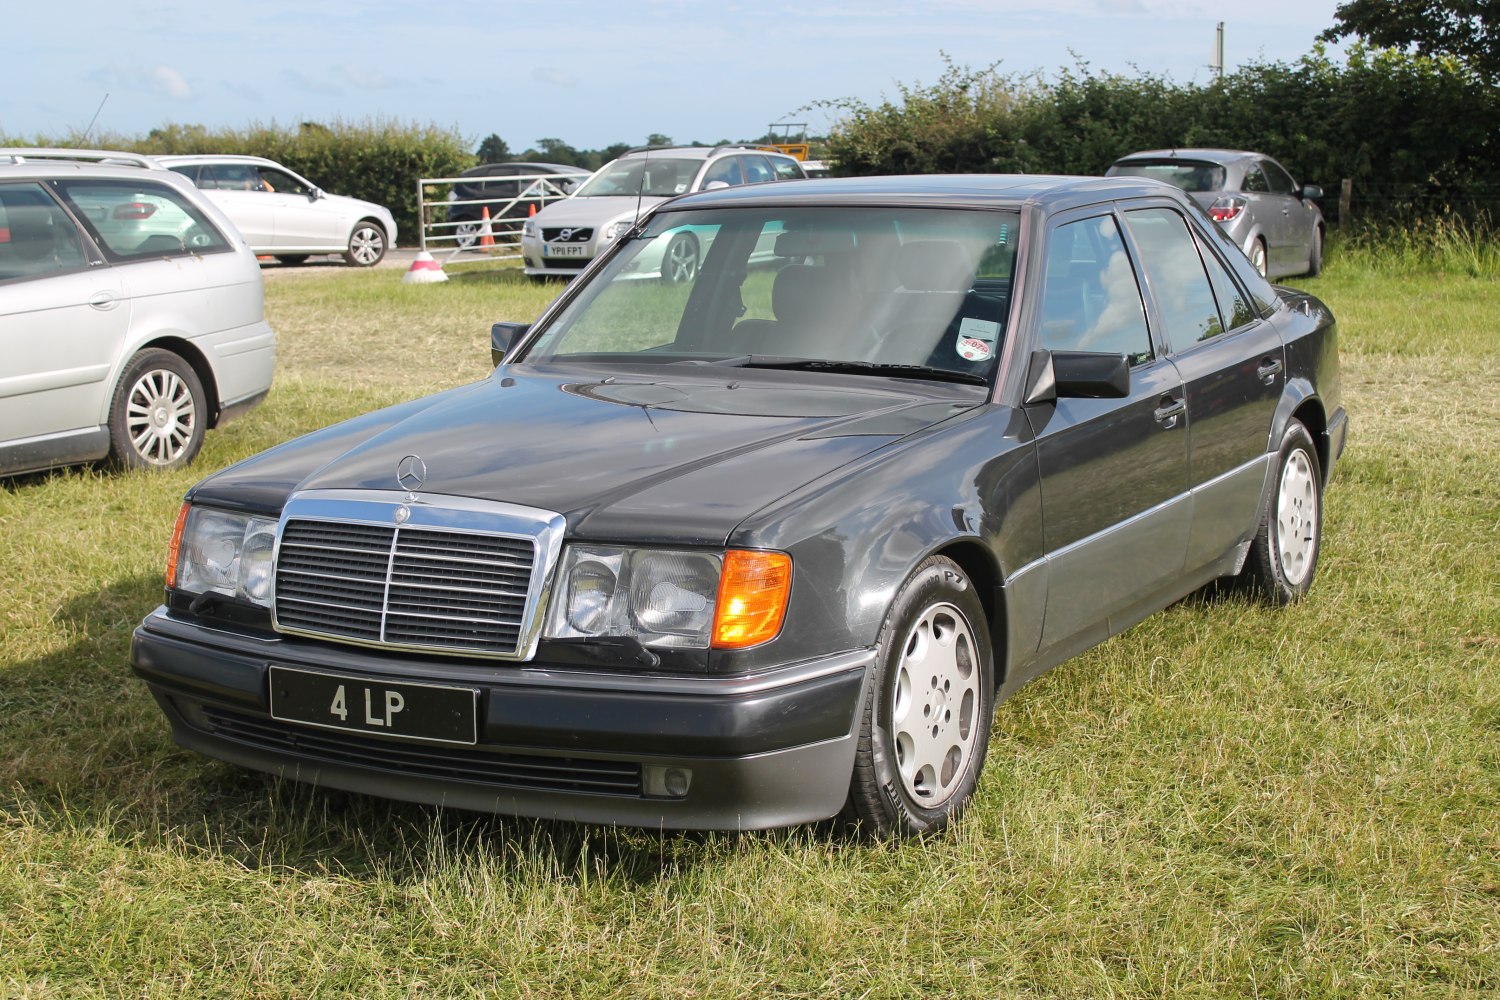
1272, 218
772, 543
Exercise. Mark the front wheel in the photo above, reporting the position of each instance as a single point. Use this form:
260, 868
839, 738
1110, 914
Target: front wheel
1284, 553
157, 418
926, 720
366, 245
680, 262
1315, 254
466, 233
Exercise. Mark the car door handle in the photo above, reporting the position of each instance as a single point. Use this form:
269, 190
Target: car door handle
1268, 370
103, 301
1168, 409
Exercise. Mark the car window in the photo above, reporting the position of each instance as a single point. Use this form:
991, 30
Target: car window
230, 177
36, 236
1189, 175
1255, 181
281, 182
659, 177
139, 219
1184, 298
1263, 297
189, 170
1233, 309
725, 171
1279, 181
786, 169
757, 170
913, 287
1090, 300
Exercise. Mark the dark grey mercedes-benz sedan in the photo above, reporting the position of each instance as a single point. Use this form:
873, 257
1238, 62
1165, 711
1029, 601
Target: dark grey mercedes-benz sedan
771, 544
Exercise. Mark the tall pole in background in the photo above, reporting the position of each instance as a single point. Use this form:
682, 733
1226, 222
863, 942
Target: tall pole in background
1218, 64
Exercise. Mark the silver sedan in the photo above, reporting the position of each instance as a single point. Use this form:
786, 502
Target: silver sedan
1252, 198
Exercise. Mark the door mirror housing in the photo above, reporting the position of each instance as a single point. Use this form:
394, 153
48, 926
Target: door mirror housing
1077, 375
1311, 192
502, 336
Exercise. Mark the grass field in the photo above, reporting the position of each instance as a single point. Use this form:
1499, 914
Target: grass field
1226, 801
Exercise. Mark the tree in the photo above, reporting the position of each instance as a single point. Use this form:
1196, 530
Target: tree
657, 139
1466, 29
493, 150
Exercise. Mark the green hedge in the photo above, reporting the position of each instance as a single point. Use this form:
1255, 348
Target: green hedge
379, 161
1415, 135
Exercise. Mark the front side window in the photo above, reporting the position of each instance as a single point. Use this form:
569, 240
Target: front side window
725, 171
1277, 179
133, 220
36, 236
921, 292
1179, 284
1091, 301
281, 182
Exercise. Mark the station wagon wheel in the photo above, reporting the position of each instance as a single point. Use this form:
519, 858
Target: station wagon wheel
1258, 256
366, 244
158, 414
927, 718
1284, 553
680, 262
1315, 255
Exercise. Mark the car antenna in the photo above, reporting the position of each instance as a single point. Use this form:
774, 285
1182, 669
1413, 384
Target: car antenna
84, 141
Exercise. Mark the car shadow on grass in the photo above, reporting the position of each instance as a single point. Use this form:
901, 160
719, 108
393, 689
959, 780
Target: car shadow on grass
86, 751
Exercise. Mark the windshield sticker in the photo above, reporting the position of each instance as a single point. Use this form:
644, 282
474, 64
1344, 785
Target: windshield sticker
976, 338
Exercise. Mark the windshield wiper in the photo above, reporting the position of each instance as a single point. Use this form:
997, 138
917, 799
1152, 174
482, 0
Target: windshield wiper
854, 368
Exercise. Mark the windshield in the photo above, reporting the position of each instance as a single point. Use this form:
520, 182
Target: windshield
1190, 175
661, 177
922, 292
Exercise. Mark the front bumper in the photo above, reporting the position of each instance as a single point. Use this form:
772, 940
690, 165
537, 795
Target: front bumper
775, 749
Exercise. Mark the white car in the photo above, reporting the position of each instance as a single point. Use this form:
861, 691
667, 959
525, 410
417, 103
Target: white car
284, 214
131, 313
561, 239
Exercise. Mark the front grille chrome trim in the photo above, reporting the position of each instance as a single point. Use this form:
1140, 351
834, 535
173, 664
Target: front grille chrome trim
382, 584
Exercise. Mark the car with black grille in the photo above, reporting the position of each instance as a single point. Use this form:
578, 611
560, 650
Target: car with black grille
768, 545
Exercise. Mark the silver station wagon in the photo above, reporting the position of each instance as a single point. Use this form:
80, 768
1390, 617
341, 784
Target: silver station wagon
767, 545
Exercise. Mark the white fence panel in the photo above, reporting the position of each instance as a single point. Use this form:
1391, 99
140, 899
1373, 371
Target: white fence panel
488, 226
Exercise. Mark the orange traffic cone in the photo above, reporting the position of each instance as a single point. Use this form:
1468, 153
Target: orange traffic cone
533, 209
486, 234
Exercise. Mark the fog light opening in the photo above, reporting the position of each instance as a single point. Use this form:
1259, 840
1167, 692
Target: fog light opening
667, 782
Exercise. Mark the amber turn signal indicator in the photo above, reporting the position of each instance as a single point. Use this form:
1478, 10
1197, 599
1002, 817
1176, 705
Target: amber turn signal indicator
175, 548
753, 592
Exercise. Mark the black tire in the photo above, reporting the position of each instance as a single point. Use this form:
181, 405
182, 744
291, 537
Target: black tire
896, 790
1315, 255
158, 414
1284, 553
679, 262
366, 244
292, 258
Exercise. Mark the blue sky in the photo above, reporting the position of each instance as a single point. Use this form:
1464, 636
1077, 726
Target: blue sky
590, 73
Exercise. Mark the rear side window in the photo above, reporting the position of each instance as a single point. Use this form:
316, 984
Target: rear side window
36, 236
1178, 282
135, 220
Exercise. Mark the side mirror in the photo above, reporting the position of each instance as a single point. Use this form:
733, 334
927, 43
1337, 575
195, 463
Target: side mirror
502, 335
1311, 192
314, 193
1077, 375
715, 185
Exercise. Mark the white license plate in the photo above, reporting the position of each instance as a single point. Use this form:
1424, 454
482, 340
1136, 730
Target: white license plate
565, 250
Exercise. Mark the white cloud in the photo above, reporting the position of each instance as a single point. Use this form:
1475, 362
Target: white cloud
169, 83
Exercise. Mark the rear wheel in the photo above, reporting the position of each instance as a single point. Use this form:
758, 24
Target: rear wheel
158, 415
926, 721
1258, 256
1315, 254
1284, 553
366, 244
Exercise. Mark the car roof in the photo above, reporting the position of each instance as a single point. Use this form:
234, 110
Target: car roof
1052, 193
55, 162
521, 167
185, 158
1225, 157
697, 152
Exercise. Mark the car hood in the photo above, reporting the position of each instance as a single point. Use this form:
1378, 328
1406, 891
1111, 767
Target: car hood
630, 456
593, 211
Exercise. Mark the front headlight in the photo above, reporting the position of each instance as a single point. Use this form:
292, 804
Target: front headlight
615, 230
670, 598
222, 552
528, 228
